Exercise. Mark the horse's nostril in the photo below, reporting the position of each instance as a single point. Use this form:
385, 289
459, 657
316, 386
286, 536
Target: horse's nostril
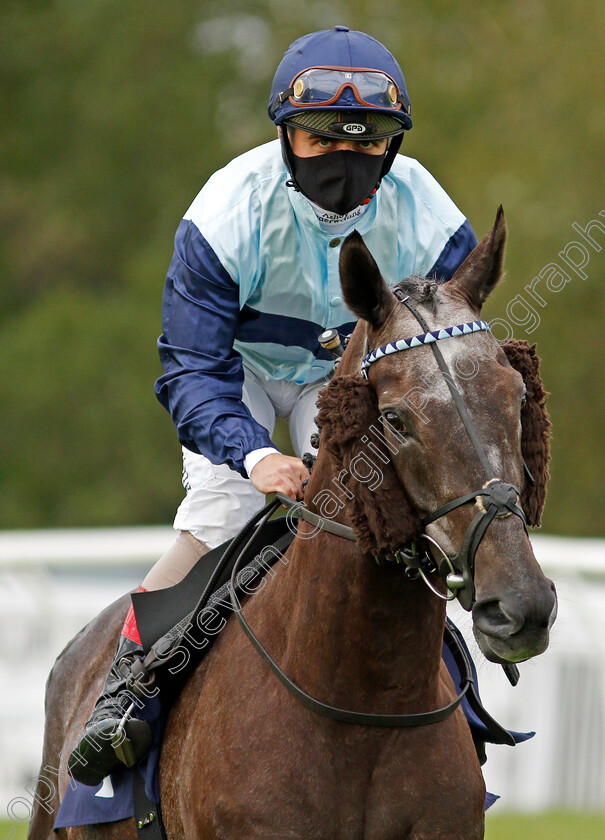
492, 619
555, 607
545, 608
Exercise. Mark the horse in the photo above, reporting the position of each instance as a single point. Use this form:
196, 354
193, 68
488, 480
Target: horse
401, 461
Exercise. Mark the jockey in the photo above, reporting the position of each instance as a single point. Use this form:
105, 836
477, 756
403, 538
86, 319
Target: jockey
253, 282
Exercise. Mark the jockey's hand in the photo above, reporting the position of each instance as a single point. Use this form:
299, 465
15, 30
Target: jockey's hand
280, 473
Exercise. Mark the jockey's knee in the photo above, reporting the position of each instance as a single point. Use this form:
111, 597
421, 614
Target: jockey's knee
176, 563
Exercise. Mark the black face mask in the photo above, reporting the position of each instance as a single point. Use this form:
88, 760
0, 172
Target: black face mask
337, 181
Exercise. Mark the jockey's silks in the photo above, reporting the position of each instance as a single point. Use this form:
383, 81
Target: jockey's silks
254, 277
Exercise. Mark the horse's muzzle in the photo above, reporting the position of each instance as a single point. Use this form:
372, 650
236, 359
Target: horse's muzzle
513, 629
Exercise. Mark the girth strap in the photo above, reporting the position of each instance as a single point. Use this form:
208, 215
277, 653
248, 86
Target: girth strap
147, 814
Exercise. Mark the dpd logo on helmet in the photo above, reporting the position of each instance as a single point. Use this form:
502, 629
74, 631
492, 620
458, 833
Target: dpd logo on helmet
354, 128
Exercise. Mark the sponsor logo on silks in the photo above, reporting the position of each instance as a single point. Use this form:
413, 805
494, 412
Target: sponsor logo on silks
329, 218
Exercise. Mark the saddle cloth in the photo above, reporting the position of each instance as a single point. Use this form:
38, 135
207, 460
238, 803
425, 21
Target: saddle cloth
157, 613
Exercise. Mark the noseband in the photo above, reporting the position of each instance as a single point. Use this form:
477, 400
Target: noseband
495, 499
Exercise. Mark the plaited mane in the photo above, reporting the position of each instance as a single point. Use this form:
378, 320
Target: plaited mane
535, 427
383, 518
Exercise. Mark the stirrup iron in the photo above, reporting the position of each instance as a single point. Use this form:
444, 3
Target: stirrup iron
122, 745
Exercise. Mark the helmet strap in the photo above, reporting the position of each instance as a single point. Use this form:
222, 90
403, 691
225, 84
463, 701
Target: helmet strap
287, 154
389, 159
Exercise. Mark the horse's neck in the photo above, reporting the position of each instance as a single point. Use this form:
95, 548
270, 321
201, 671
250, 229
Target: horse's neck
355, 628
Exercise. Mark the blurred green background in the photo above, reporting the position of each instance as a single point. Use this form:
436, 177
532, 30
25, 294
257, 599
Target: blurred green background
113, 116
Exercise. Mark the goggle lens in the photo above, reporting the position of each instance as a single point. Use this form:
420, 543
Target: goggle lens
322, 86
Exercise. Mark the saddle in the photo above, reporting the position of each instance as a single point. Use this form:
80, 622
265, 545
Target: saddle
164, 617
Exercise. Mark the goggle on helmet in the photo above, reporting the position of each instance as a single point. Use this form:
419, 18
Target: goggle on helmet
362, 76
346, 88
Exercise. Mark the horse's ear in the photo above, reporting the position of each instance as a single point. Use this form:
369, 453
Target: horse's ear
363, 288
475, 279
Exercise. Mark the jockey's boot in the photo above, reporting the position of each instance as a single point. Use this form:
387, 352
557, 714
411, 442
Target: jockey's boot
112, 738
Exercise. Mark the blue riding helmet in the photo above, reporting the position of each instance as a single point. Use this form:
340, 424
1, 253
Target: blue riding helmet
315, 73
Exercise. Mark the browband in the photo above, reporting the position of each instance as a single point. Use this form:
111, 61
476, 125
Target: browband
423, 338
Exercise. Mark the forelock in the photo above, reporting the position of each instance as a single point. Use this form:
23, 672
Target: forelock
420, 291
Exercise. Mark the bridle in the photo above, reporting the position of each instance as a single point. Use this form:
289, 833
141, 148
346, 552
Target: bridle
495, 499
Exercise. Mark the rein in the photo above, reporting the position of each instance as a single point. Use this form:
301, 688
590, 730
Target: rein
324, 709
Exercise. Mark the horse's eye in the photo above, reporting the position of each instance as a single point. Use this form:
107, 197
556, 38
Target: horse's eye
524, 399
395, 421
